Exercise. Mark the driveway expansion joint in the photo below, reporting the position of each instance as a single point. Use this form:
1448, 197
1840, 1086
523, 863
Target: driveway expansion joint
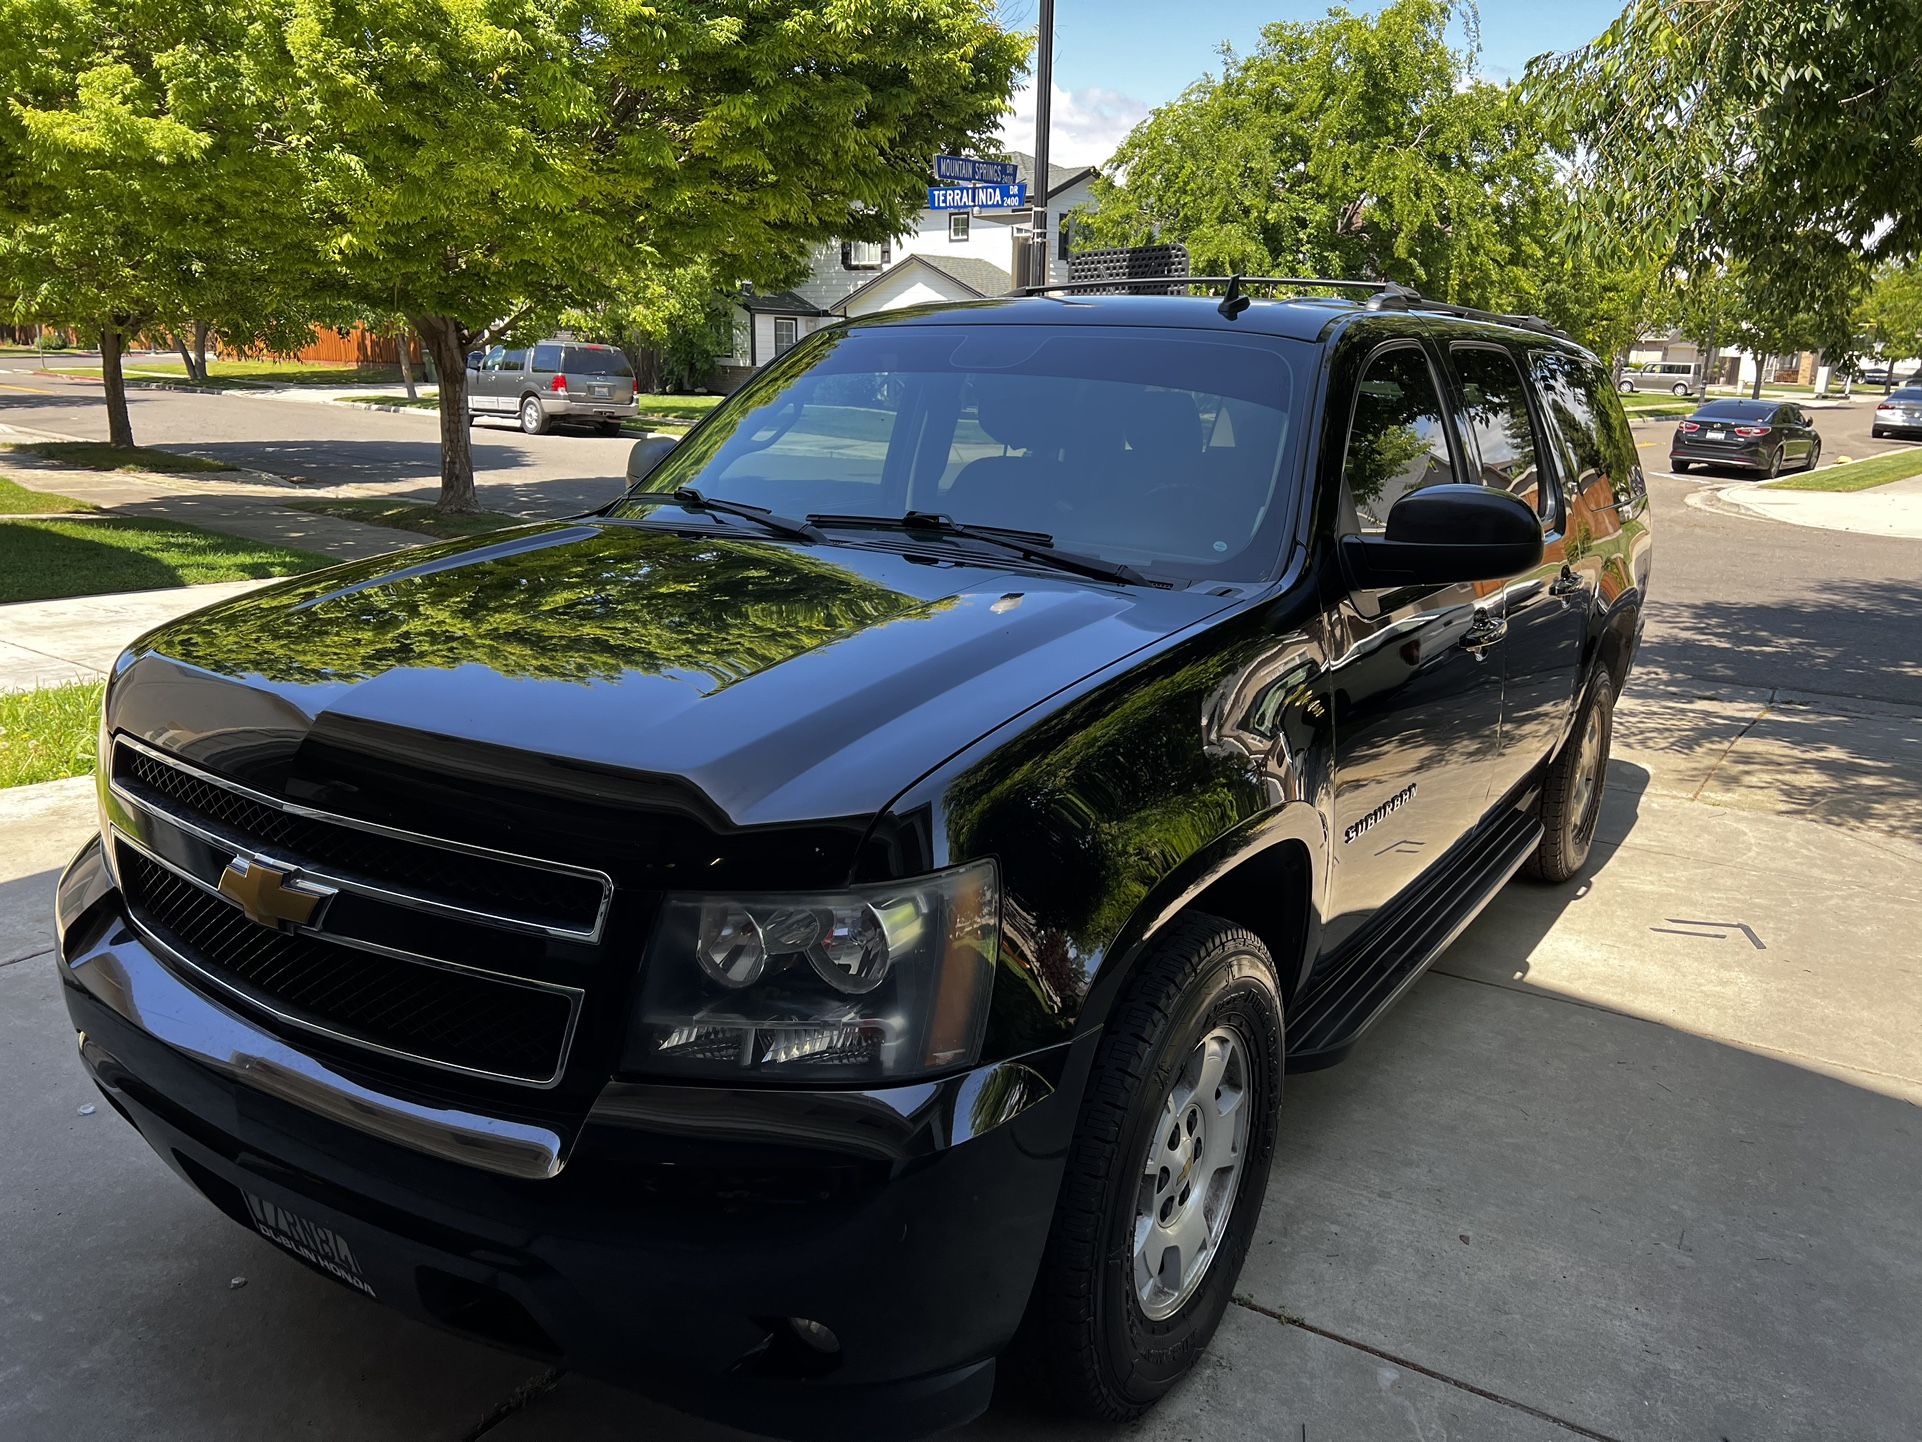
1288, 1319
534, 1388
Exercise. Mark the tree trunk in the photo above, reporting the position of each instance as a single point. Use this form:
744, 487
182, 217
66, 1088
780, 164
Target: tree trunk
200, 352
446, 340
119, 424
1709, 357
1755, 391
404, 350
186, 355
426, 356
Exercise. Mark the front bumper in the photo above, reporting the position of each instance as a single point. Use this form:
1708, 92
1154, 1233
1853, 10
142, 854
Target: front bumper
676, 1230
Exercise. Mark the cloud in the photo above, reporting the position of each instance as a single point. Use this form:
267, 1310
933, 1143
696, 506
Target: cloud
1084, 127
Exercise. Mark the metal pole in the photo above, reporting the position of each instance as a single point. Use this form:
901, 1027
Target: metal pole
1043, 102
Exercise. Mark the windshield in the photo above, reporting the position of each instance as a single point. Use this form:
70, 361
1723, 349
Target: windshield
596, 361
1163, 450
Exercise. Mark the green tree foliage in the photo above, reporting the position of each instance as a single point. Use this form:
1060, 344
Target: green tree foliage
1352, 147
1781, 136
482, 162
673, 324
1889, 318
141, 184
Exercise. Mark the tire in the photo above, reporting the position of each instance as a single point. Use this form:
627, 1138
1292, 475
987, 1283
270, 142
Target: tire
1096, 1342
533, 416
1815, 457
1571, 798
1679, 390
1681, 468
1877, 432
1775, 464
608, 428
1627, 388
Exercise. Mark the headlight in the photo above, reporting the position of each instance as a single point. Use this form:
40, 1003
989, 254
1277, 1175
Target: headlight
885, 981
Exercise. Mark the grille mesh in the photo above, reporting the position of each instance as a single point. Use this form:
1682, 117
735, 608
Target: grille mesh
458, 878
454, 1018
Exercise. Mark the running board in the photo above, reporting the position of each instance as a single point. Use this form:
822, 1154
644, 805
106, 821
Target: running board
1336, 1010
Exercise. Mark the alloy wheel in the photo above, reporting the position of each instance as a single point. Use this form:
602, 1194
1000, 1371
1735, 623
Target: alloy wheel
531, 416
1587, 790
1192, 1173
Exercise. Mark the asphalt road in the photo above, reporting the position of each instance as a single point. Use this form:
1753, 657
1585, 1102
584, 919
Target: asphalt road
1735, 600
553, 475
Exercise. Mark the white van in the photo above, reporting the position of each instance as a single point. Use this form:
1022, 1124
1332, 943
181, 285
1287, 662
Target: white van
1675, 377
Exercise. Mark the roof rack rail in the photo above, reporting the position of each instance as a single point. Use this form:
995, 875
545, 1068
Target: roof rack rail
1142, 282
1385, 295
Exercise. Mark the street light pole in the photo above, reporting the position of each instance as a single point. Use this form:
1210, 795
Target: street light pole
1043, 100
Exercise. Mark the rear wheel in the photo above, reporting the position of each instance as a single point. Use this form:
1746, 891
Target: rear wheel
533, 415
1571, 799
1681, 468
1165, 1179
1877, 432
1627, 388
1679, 389
1775, 464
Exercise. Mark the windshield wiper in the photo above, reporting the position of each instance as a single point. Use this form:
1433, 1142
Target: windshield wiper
1033, 545
689, 499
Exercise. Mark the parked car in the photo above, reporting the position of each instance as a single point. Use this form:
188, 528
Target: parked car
1898, 413
1879, 374
1760, 436
1675, 377
836, 919
552, 381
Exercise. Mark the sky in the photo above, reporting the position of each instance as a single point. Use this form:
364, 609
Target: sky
1115, 60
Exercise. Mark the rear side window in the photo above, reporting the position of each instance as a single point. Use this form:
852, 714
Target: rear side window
1397, 437
583, 360
547, 358
1494, 407
1594, 432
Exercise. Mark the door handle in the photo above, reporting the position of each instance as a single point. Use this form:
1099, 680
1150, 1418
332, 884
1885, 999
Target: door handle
1484, 631
1566, 584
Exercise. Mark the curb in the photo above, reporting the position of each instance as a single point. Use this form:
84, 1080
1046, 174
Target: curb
140, 385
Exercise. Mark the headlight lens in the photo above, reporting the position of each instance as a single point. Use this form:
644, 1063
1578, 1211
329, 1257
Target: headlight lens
886, 981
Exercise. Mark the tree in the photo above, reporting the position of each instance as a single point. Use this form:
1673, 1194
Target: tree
1770, 315
672, 324
141, 187
1781, 136
1705, 306
1890, 316
480, 165
1352, 147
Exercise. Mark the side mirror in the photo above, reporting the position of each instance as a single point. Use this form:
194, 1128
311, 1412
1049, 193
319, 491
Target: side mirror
474, 359
647, 455
1442, 535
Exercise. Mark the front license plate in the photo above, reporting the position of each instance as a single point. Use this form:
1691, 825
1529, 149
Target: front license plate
314, 1244
1718, 435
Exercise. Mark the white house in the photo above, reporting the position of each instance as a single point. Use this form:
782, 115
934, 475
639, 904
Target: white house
949, 255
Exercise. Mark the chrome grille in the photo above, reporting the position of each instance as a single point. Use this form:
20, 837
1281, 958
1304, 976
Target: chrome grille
451, 955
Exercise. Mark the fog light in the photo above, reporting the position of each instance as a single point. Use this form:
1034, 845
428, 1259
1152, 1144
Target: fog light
816, 1335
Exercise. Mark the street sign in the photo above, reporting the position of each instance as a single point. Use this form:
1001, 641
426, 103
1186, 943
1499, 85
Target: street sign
977, 197
965, 170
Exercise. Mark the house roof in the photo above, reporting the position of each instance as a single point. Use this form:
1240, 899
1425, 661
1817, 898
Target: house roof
978, 277
1060, 177
783, 302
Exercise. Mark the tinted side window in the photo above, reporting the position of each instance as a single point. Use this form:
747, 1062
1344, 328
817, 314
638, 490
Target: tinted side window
547, 358
494, 358
1397, 437
514, 360
1583, 409
1495, 408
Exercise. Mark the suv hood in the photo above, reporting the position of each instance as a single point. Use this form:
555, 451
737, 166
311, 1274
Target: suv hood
785, 683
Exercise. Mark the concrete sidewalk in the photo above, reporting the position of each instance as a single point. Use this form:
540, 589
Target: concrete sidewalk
50, 643
1894, 509
1638, 1159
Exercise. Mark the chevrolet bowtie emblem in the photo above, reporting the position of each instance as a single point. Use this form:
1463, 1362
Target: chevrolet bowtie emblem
270, 895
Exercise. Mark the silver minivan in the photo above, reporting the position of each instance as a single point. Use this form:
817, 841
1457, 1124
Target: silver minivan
554, 380
1675, 377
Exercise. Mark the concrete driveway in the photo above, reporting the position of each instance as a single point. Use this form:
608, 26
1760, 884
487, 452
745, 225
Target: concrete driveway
1639, 1159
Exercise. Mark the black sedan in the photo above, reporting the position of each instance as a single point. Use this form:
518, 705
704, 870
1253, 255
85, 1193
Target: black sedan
1765, 436
1900, 413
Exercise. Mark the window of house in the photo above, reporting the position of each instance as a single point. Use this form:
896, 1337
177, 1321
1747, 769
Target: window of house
863, 254
1495, 408
786, 333
1398, 436
958, 224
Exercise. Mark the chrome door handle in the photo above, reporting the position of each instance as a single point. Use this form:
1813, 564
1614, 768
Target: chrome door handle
1566, 584
1484, 631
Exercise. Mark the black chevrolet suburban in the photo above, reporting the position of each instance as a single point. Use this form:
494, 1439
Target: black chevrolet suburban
836, 921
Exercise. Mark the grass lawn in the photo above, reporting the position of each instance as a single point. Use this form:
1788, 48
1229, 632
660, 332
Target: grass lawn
676, 408
48, 733
1857, 475
226, 374
1640, 410
16, 500
40, 560
98, 456
425, 403
409, 516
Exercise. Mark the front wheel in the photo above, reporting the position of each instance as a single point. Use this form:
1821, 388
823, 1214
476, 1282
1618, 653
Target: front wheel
1166, 1176
533, 416
1571, 799
1815, 457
